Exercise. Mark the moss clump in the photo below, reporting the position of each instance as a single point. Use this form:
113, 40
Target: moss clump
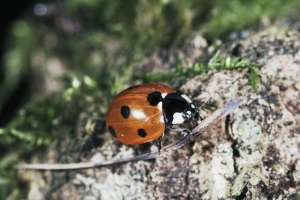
217, 62
45, 120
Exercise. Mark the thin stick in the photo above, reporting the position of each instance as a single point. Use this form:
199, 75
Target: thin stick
218, 114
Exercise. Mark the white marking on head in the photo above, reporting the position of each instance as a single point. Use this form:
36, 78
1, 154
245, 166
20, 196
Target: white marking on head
178, 118
163, 95
137, 114
186, 98
189, 114
159, 105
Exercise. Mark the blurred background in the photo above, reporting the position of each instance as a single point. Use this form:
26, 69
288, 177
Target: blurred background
66, 58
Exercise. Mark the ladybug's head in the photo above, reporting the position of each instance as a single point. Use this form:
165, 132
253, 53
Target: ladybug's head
178, 109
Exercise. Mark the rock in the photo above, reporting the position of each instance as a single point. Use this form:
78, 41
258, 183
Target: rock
260, 47
254, 154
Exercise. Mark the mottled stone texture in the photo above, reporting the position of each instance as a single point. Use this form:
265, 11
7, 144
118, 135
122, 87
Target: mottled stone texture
253, 154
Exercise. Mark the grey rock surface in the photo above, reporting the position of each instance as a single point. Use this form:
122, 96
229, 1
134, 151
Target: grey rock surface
254, 154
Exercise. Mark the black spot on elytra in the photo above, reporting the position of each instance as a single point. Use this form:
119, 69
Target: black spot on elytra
112, 131
142, 132
125, 111
154, 98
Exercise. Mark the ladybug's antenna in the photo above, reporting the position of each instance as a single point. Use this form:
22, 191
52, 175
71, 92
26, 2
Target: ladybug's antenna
218, 114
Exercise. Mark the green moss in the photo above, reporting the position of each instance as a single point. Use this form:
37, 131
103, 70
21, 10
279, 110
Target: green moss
45, 120
231, 63
254, 78
178, 73
217, 62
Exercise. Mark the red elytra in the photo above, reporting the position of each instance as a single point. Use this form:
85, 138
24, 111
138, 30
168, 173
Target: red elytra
135, 115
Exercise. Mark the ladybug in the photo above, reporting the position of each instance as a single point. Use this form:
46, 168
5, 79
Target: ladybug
142, 113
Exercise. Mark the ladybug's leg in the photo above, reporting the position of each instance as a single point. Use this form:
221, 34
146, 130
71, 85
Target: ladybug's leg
159, 142
162, 139
183, 132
